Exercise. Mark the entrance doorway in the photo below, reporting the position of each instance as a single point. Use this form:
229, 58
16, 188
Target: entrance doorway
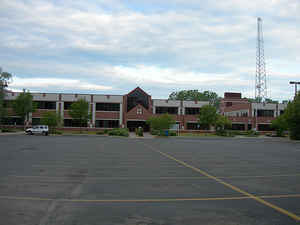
131, 125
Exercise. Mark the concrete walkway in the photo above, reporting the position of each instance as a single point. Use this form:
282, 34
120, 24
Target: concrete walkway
12, 133
146, 135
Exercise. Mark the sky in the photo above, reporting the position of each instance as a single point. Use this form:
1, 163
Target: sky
113, 46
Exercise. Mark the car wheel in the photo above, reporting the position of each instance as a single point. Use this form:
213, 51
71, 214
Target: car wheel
30, 133
46, 133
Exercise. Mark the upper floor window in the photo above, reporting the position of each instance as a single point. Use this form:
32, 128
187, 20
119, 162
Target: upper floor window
108, 107
46, 105
265, 113
67, 105
170, 110
135, 98
228, 104
192, 111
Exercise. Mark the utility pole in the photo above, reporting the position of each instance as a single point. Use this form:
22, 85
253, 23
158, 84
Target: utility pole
295, 83
260, 76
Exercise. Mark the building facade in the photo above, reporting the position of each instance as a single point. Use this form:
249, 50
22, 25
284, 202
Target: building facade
245, 115
110, 111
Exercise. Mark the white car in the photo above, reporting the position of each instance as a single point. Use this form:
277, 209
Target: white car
38, 129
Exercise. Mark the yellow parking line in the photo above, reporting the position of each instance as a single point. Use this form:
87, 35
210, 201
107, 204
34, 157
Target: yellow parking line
258, 199
148, 200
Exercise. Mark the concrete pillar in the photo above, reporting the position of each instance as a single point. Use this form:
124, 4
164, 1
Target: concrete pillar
121, 115
62, 111
94, 115
154, 108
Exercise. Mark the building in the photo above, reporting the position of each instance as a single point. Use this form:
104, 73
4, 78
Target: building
111, 111
245, 115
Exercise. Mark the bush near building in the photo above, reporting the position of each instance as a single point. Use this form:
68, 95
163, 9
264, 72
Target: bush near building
161, 123
280, 125
119, 132
292, 116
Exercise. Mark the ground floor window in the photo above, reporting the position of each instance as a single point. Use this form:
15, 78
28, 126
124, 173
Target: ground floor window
238, 126
36, 121
107, 123
12, 121
195, 126
73, 123
264, 127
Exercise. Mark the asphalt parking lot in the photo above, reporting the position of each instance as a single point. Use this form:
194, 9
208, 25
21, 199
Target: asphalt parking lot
85, 180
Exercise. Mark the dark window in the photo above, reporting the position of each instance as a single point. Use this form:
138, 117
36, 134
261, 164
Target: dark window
67, 105
281, 112
36, 121
195, 126
228, 104
7, 104
135, 98
107, 107
12, 121
264, 127
46, 105
170, 110
249, 126
244, 114
73, 123
265, 113
192, 111
107, 123
238, 126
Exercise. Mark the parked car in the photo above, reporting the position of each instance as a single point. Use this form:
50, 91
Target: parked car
38, 129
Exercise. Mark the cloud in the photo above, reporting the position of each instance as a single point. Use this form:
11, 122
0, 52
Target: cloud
170, 44
42, 84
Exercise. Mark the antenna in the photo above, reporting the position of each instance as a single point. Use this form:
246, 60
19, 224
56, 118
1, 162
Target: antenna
260, 77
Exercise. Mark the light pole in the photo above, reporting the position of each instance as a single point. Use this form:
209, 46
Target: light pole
295, 83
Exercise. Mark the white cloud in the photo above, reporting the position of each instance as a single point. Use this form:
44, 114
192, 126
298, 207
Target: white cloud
42, 84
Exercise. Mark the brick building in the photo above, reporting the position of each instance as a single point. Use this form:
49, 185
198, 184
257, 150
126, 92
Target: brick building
111, 111
246, 115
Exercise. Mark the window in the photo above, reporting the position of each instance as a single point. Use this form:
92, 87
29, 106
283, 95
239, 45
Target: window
108, 107
265, 113
67, 105
170, 110
281, 112
192, 111
135, 98
36, 121
244, 114
238, 126
195, 126
12, 121
73, 123
139, 111
46, 105
7, 104
107, 123
228, 104
264, 127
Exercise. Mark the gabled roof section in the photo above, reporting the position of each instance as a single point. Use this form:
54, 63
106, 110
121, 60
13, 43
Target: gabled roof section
140, 89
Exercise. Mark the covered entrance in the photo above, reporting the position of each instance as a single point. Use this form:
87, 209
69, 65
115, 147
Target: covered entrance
131, 125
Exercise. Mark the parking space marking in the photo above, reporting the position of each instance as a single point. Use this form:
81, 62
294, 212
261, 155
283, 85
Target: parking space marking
147, 200
202, 172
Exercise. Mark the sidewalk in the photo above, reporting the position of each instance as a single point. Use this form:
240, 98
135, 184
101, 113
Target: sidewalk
146, 135
12, 133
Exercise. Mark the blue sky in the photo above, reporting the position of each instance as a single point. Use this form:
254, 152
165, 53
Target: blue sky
101, 46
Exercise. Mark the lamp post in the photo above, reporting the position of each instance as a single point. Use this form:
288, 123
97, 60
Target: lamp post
295, 83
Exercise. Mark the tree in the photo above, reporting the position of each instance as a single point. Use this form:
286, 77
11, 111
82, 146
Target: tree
292, 115
195, 95
280, 125
222, 123
160, 123
23, 105
259, 99
208, 116
5, 79
52, 119
79, 111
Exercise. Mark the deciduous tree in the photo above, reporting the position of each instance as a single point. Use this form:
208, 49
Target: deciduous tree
79, 111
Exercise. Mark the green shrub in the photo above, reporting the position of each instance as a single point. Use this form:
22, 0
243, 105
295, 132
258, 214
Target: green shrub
172, 133
118, 132
251, 133
58, 132
7, 130
225, 133
100, 132
140, 132
154, 132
